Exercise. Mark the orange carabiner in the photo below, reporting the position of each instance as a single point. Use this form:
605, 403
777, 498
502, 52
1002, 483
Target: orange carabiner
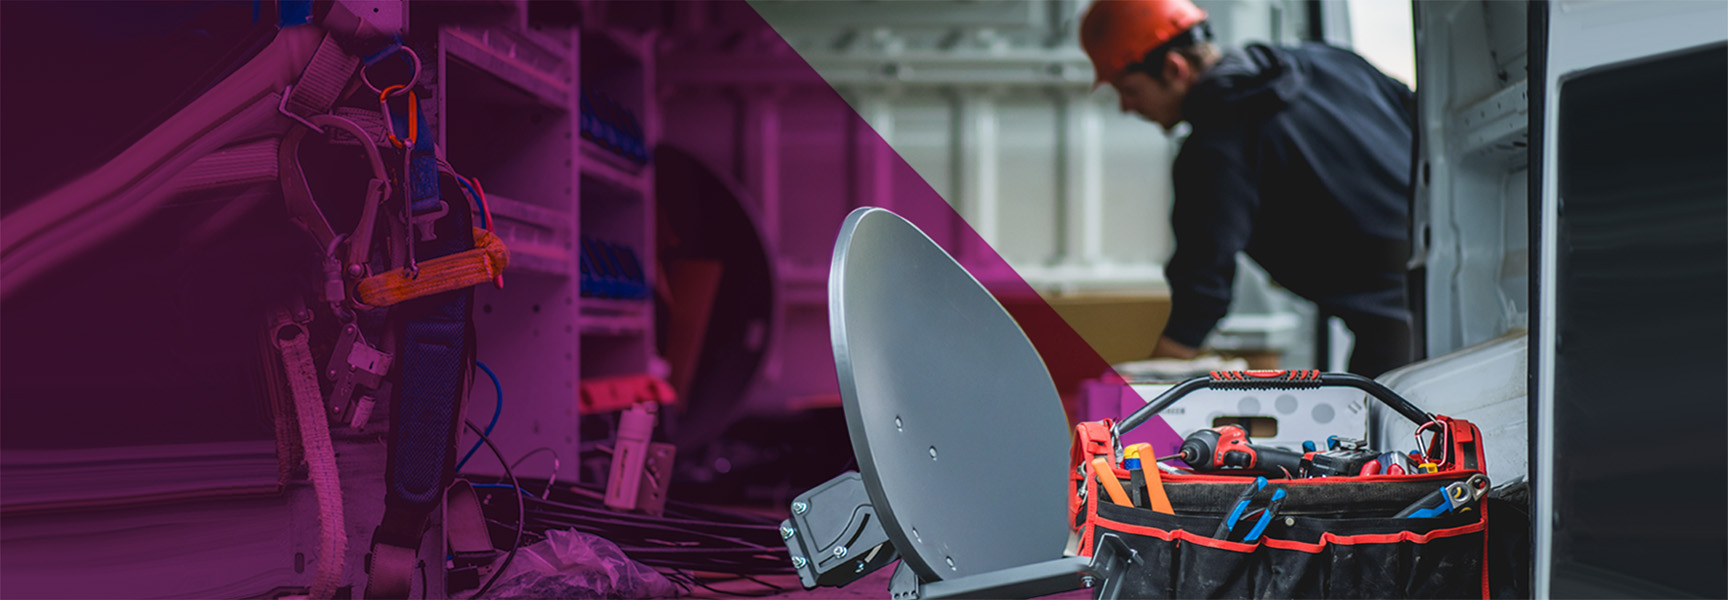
413, 116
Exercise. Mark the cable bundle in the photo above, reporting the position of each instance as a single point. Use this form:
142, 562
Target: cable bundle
688, 541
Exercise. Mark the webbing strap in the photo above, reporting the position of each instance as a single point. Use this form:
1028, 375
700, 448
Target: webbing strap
291, 338
323, 79
466, 525
437, 336
442, 274
435, 354
369, 120
240, 164
422, 176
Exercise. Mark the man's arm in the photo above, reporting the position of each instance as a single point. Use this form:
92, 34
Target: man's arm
1169, 348
1217, 194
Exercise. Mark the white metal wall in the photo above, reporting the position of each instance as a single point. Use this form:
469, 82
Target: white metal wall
992, 103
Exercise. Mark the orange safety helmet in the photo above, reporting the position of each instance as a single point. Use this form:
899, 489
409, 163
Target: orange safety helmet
1116, 34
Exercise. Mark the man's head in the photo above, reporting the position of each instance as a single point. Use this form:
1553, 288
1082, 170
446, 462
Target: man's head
1151, 51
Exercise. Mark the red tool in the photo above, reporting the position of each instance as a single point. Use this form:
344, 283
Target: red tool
1227, 446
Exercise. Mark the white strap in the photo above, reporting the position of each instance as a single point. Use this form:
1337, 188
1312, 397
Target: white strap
290, 338
323, 79
87, 211
370, 120
240, 164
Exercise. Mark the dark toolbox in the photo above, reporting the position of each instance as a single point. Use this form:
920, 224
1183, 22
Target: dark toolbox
1272, 523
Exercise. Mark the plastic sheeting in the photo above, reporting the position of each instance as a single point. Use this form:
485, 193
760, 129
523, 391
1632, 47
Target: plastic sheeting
571, 564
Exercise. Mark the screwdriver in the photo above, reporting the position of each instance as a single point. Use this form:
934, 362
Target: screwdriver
1155, 496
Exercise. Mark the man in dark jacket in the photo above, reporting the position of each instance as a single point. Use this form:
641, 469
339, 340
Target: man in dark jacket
1298, 156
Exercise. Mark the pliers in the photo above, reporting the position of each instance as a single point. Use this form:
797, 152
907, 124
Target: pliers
1455, 496
1271, 510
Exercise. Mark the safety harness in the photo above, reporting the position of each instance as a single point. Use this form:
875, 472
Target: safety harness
420, 302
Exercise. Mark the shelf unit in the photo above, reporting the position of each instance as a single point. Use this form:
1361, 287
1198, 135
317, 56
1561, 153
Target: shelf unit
617, 202
508, 111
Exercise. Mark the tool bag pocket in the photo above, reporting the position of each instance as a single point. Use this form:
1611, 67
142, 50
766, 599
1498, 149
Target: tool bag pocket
1331, 539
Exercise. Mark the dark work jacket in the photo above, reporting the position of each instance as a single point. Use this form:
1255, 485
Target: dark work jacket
1301, 158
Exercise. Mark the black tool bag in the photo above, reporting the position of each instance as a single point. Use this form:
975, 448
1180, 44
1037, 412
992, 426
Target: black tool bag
1331, 537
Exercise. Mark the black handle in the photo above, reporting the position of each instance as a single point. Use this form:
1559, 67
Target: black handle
1273, 380
1278, 460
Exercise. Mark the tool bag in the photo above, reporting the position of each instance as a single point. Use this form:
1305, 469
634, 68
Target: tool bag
1333, 537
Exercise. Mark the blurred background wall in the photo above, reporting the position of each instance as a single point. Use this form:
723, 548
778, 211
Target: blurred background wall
991, 102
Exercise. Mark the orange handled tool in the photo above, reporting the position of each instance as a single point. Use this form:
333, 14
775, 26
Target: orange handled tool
1112, 485
1155, 496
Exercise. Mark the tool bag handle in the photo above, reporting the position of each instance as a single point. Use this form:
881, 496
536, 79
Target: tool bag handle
1274, 380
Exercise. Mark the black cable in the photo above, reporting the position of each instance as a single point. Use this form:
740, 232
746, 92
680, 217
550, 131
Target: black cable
770, 585
541, 514
761, 594
740, 544
771, 591
703, 512
521, 509
618, 516
640, 528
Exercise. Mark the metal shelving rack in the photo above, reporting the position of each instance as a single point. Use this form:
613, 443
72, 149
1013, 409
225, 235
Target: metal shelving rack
617, 203
509, 108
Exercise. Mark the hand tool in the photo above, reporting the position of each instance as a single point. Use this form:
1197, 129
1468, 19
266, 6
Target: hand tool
1343, 457
1452, 497
1241, 504
1112, 485
1136, 479
1271, 510
1227, 446
1155, 496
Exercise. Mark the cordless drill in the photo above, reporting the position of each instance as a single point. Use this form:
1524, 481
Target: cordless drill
1227, 447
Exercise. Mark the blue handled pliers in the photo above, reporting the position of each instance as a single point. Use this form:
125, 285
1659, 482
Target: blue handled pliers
1241, 505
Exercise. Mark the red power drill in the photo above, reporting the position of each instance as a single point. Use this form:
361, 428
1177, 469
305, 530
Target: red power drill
1227, 446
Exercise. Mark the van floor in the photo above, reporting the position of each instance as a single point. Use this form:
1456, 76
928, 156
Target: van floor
873, 586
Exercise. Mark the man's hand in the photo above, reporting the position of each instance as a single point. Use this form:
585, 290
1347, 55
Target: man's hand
1168, 348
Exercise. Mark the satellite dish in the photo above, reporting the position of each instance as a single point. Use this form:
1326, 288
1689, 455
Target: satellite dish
959, 432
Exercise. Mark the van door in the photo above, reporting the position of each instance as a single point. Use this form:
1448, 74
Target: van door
1629, 112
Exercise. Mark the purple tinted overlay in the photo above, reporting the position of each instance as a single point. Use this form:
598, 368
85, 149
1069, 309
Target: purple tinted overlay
818, 160
150, 339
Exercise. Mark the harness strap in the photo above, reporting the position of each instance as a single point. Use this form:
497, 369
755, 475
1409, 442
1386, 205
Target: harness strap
322, 81
368, 120
465, 526
437, 348
291, 338
241, 164
442, 274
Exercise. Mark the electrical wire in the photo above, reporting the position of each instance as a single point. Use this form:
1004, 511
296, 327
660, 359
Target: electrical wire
689, 579
476, 197
550, 481
719, 542
495, 412
485, 207
521, 509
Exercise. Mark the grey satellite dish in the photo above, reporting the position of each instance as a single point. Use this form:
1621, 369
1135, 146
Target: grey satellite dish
961, 441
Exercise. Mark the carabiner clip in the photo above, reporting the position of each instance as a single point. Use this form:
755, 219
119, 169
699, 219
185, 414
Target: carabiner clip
1443, 439
389, 122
